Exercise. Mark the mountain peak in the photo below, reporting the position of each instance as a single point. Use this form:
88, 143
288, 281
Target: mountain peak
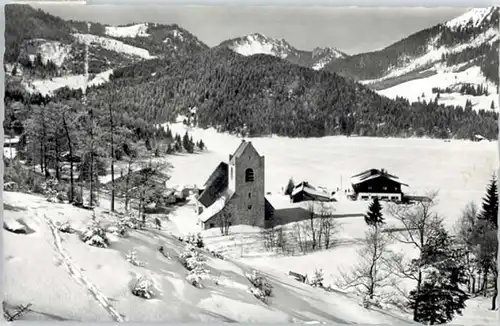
472, 18
257, 43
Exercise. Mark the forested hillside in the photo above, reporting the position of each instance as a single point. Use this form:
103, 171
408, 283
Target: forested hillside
262, 95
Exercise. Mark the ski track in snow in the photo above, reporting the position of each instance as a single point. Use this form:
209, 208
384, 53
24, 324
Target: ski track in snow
75, 273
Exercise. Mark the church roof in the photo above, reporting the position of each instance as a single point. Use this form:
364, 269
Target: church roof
241, 149
217, 206
215, 185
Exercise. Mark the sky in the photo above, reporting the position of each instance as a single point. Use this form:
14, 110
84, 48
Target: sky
349, 29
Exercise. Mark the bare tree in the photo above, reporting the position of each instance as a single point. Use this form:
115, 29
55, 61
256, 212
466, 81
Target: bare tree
225, 218
464, 231
419, 225
313, 225
300, 236
372, 272
328, 225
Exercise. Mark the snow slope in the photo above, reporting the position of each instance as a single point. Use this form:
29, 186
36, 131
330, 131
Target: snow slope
137, 30
473, 18
48, 86
113, 45
431, 62
444, 78
65, 279
54, 51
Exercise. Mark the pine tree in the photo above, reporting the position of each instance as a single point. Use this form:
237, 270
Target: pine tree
489, 211
289, 187
492, 106
374, 216
440, 296
201, 145
185, 142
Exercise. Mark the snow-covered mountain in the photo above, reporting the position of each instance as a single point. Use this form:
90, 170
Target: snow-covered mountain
52, 48
257, 43
456, 54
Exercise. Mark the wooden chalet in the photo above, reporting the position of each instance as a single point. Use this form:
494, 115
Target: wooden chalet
304, 191
379, 184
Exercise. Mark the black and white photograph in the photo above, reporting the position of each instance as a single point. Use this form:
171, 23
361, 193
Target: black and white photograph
251, 164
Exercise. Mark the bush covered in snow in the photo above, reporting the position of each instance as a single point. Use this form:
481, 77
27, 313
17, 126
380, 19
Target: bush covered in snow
65, 227
193, 239
95, 235
145, 288
194, 262
262, 290
215, 254
131, 257
317, 279
126, 223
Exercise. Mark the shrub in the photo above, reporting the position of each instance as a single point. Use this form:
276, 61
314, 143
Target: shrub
126, 223
262, 290
317, 279
65, 227
132, 258
145, 288
194, 262
95, 235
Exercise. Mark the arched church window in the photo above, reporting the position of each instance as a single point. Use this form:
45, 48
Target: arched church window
249, 177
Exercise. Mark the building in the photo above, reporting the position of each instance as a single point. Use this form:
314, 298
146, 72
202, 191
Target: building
238, 184
238, 187
377, 183
304, 191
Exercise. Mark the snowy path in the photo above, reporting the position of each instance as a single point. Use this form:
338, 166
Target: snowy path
75, 273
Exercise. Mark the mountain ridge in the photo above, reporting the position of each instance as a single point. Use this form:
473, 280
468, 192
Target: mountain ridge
257, 43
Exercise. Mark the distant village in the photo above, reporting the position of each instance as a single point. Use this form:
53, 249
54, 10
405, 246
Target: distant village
239, 185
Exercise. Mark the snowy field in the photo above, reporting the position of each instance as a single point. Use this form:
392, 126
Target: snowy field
65, 279
444, 78
460, 170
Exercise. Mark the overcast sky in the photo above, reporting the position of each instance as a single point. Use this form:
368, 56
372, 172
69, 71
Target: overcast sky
351, 30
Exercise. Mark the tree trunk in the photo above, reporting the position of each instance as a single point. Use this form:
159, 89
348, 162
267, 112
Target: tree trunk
485, 283
58, 172
44, 145
112, 160
42, 167
127, 190
71, 178
495, 295
417, 301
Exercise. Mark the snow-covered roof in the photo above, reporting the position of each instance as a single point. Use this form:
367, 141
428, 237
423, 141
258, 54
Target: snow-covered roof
216, 207
13, 140
280, 202
373, 174
304, 186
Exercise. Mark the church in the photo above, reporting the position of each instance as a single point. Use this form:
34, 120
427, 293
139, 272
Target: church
238, 184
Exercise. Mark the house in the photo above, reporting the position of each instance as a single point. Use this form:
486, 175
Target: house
238, 184
304, 191
478, 138
377, 183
